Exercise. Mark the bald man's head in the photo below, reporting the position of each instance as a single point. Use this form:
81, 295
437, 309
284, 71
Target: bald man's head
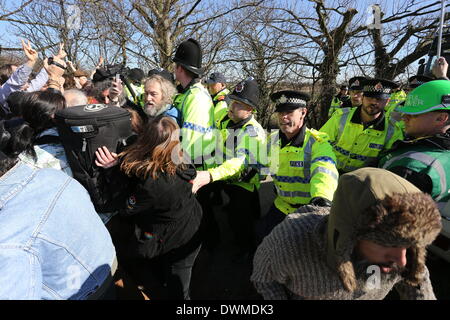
75, 97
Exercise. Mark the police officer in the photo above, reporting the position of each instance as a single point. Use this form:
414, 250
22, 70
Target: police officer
423, 158
195, 104
301, 161
163, 73
415, 81
359, 134
398, 95
338, 100
136, 76
355, 92
216, 84
243, 143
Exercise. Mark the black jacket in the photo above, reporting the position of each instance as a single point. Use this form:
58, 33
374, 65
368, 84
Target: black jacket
164, 212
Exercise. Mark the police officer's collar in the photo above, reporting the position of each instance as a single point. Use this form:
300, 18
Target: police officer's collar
378, 123
193, 82
296, 141
240, 124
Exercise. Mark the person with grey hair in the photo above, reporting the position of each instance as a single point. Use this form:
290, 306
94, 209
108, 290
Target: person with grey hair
158, 96
75, 97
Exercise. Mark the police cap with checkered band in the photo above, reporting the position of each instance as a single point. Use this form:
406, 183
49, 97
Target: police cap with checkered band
355, 83
378, 88
415, 81
288, 100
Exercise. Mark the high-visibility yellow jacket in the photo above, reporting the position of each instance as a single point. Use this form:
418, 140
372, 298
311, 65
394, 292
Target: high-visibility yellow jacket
220, 105
138, 91
303, 169
243, 145
356, 146
396, 98
197, 116
336, 103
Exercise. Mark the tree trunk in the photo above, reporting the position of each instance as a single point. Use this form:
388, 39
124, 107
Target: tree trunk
329, 71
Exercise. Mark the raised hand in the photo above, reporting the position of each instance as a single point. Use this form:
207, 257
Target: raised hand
54, 71
440, 68
71, 67
61, 53
105, 158
30, 53
100, 63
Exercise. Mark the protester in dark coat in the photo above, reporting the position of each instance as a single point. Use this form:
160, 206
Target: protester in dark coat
162, 208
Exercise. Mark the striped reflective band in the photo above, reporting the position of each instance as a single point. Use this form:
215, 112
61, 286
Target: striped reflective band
293, 194
250, 159
390, 132
195, 127
341, 165
327, 171
428, 161
288, 179
433, 108
352, 155
342, 122
324, 159
307, 151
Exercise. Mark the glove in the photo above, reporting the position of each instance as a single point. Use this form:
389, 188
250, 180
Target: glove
321, 202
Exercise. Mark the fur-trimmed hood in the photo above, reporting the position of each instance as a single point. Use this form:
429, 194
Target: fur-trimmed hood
377, 205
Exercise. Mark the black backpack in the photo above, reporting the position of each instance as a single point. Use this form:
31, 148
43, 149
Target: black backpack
84, 129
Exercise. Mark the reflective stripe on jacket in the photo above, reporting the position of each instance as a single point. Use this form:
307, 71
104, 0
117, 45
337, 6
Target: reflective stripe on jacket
435, 163
220, 105
243, 149
354, 146
197, 113
302, 173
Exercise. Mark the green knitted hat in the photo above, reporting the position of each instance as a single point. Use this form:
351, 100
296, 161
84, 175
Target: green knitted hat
430, 96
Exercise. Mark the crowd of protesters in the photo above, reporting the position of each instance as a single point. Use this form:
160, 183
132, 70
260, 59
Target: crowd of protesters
364, 190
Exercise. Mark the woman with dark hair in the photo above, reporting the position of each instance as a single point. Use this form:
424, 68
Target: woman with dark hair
162, 208
38, 132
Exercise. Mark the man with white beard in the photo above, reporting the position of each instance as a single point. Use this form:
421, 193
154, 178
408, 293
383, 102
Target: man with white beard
158, 96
